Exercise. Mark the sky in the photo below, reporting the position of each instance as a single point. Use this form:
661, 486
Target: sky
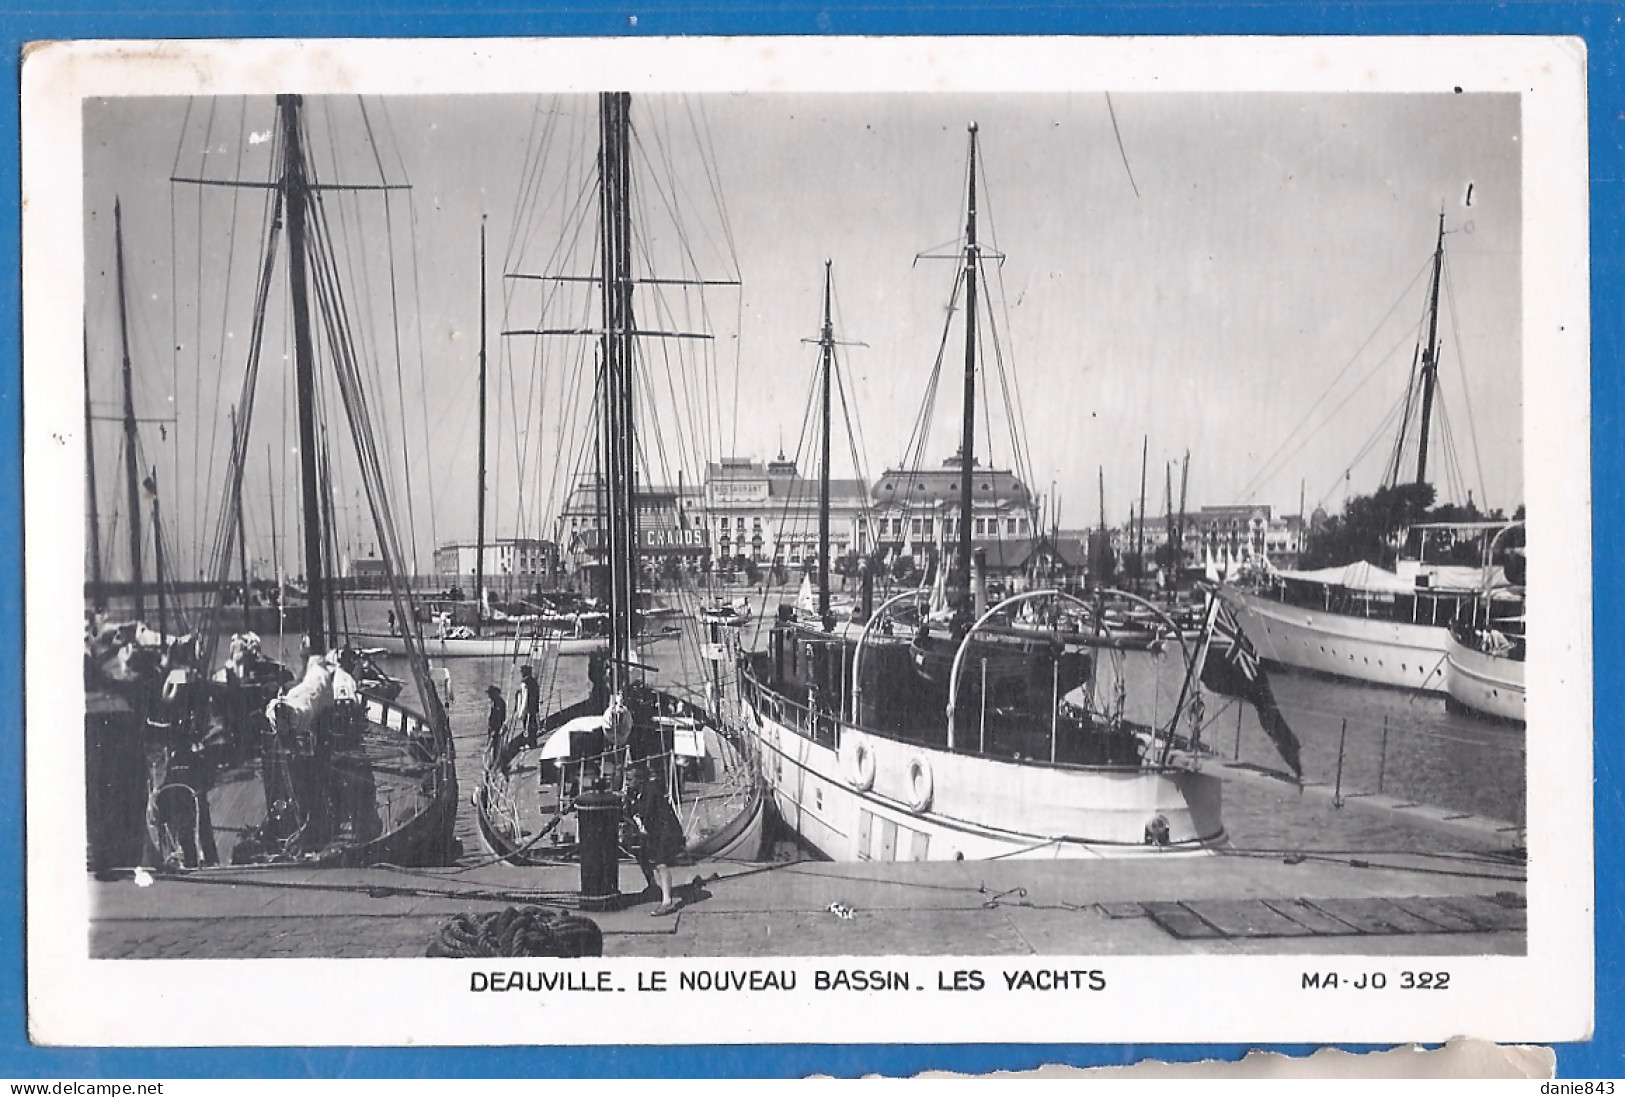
1239, 276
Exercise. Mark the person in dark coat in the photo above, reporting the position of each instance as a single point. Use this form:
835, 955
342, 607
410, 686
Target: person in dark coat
530, 701
632, 723
499, 716
663, 842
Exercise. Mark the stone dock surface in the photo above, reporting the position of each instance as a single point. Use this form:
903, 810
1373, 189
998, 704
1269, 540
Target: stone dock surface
1303, 876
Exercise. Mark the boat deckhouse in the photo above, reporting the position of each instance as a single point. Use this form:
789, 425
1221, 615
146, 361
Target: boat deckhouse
768, 512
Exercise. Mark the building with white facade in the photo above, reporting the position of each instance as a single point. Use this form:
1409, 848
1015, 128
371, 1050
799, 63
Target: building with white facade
915, 508
513, 565
767, 512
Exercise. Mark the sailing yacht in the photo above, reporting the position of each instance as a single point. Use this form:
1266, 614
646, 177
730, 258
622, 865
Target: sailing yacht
1386, 626
1016, 743
245, 764
703, 763
491, 634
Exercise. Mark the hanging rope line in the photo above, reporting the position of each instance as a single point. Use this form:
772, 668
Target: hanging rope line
1308, 425
1117, 133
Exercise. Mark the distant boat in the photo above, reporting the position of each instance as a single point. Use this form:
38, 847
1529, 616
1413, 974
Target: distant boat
1367, 623
1484, 656
578, 634
948, 740
1484, 671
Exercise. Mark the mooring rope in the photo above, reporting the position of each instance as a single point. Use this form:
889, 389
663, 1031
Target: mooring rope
518, 931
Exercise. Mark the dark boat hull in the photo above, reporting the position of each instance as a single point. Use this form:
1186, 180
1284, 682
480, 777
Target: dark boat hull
382, 790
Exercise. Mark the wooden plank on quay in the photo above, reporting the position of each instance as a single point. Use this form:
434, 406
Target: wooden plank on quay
1177, 921
1435, 912
1247, 918
1316, 921
1485, 913
1375, 916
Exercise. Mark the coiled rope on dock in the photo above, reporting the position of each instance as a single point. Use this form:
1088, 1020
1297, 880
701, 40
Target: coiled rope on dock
518, 931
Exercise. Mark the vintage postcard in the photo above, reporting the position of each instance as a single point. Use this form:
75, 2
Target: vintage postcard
762, 540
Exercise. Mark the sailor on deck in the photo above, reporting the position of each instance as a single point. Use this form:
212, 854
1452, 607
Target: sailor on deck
530, 703
499, 715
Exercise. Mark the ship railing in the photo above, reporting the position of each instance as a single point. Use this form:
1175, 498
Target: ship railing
829, 729
1003, 607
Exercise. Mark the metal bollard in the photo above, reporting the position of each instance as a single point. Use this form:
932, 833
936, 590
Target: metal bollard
598, 817
981, 740
1382, 755
1337, 794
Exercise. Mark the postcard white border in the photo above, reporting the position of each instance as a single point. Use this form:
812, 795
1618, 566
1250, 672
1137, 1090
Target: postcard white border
1547, 995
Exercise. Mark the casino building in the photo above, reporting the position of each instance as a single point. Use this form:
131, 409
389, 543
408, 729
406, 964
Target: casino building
767, 512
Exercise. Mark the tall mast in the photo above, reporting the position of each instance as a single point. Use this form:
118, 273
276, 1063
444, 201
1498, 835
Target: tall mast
619, 445
479, 547
276, 546
1430, 357
967, 434
1168, 511
132, 475
1184, 482
296, 194
242, 541
158, 555
1139, 539
98, 596
826, 342
1303, 519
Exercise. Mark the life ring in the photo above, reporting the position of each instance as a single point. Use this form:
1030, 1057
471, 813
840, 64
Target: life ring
920, 786
862, 775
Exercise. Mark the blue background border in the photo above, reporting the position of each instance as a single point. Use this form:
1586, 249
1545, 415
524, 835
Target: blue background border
1600, 24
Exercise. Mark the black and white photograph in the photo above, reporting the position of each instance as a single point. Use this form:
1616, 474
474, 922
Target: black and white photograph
682, 522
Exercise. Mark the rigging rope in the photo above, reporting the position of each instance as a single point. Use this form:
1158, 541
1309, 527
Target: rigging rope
1466, 389
1268, 469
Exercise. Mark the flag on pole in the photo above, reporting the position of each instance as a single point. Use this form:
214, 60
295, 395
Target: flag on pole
1231, 666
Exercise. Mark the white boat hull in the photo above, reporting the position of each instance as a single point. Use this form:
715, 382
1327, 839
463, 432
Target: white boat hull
474, 647
975, 807
1490, 684
1366, 649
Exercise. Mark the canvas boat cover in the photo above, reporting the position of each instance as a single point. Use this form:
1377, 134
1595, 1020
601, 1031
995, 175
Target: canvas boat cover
1366, 576
307, 700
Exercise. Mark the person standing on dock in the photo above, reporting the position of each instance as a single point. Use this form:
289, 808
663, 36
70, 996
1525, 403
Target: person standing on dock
632, 728
498, 718
530, 701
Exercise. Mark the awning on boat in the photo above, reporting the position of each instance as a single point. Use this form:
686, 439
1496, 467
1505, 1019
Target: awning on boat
687, 736
1365, 576
559, 744
1360, 575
